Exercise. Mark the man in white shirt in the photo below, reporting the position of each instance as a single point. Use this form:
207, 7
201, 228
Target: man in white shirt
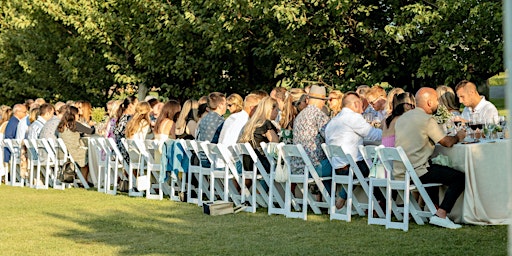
476, 106
235, 122
348, 129
46, 112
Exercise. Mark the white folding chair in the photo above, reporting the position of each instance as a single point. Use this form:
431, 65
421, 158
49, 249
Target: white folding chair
191, 148
369, 153
48, 161
276, 190
81, 178
154, 170
216, 173
59, 158
4, 171
116, 166
177, 182
135, 166
15, 178
390, 157
98, 152
226, 172
297, 151
348, 182
35, 165
257, 175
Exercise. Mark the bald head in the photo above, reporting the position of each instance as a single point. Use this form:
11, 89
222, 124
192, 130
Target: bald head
426, 98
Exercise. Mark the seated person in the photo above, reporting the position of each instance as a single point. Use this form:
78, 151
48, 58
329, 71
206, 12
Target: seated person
401, 103
417, 132
259, 129
476, 106
69, 130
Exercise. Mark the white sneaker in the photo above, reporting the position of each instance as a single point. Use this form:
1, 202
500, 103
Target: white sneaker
445, 223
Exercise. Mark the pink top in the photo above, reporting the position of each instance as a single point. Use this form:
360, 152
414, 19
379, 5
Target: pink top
388, 141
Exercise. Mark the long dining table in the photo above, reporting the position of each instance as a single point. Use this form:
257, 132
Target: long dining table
487, 164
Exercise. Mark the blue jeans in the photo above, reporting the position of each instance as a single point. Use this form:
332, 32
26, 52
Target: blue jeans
324, 169
364, 170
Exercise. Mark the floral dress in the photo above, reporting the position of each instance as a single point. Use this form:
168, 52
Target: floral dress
119, 133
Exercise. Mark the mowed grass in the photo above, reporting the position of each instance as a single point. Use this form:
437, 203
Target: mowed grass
81, 222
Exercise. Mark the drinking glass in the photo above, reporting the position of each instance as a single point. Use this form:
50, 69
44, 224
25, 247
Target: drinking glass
489, 130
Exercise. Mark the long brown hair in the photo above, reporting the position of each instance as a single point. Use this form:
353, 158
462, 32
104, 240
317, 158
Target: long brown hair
68, 120
140, 119
170, 110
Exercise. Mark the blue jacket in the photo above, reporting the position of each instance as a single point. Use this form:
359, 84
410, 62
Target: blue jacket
173, 159
10, 133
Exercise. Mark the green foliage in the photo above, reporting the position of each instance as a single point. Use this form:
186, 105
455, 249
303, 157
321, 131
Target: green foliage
95, 50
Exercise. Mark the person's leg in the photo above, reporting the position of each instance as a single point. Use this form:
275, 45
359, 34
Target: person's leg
324, 169
366, 171
455, 180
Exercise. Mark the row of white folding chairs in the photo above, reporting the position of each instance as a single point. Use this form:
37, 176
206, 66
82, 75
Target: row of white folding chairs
390, 157
218, 172
44, 159
387, 157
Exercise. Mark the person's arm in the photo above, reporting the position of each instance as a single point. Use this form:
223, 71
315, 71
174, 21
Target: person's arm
81, 128
272, 136
449, 141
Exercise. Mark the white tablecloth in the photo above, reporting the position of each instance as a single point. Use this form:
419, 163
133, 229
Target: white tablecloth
486, 199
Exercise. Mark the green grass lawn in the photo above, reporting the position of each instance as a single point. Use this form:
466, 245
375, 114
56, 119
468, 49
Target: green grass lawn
81, 222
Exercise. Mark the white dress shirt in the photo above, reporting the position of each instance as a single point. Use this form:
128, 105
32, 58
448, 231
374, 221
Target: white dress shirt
21, 131
348, 129
484, 112
232, 128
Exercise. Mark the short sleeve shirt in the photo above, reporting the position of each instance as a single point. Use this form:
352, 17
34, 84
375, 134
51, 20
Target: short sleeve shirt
306, 131
417, 133
208, 126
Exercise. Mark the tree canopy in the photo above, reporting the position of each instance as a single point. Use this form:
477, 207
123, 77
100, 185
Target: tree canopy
92, 49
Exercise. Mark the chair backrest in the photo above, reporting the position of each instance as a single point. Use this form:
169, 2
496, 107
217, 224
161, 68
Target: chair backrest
271, 152
334, 151
136, 149
222, 154
44, 145
293, 152
31, 149
62, 146
368, 152
388, 157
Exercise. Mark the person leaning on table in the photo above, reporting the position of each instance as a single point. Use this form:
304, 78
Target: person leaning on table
417, 133
476, 106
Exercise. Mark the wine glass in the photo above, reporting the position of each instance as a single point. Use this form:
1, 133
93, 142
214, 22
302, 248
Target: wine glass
490, 126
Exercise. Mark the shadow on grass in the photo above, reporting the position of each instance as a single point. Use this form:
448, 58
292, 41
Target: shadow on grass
169, 228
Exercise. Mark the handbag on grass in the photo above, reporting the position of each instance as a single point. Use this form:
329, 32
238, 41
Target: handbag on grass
67, 172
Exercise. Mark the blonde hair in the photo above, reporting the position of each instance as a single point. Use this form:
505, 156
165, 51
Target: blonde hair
188, 112
140, 119
290, 109
263, 112
114, 108
391, 96
375, 92
6, 113
33, 114
447, 98
336, 108
235, 100
86, 111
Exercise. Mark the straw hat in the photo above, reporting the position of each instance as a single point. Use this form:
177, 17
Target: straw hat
318, 92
